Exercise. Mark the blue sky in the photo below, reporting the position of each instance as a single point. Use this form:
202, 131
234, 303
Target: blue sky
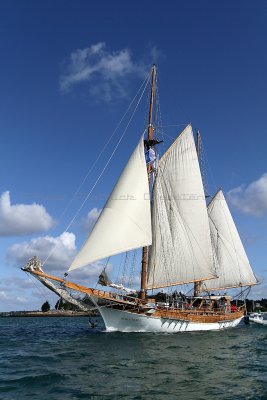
69, 71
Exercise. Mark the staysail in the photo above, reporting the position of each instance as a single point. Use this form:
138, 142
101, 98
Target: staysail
125, 221
234, 269
181, 250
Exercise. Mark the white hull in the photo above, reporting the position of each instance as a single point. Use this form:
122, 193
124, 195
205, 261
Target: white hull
116, 320
130, 321
257, 320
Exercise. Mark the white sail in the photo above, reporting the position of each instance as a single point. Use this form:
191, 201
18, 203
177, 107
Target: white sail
125, 221
181, 250
234, 269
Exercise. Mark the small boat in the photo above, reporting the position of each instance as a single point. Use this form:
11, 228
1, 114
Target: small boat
257, 317
159, 204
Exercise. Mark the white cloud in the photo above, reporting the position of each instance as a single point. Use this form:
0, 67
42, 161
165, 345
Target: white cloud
10, 301
3, 295
89, 273
16, 282
155, 54
250, 199
17, 293
20, 292
61, 249
105, 70
89, 221
22, 219
26, 293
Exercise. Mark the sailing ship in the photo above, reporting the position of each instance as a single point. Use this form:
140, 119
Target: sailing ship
159, 205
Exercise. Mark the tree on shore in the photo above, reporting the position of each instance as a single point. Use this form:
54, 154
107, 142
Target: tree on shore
45, 307
253, 305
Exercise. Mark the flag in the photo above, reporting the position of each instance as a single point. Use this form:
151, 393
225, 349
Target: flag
150, 156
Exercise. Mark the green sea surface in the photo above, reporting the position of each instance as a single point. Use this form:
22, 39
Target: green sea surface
62, 359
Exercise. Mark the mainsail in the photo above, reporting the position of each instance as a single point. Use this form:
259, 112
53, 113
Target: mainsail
234, 269
181, 251
125, 221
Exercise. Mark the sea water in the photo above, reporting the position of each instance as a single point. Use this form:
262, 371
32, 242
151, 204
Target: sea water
62, 359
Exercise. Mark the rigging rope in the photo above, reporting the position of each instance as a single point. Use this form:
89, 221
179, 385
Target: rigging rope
125, 268
42, 292
145, 83
103, 149
208, 171
132, 269
119, 269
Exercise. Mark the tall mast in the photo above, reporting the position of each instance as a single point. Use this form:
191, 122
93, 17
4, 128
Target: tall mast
198, 148
150, 130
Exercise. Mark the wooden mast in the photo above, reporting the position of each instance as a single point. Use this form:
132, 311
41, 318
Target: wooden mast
150, 130
198, 148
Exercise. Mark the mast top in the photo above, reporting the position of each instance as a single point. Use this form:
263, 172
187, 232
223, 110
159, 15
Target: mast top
152, 95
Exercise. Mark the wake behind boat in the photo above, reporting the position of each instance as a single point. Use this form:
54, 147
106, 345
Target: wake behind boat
184, 241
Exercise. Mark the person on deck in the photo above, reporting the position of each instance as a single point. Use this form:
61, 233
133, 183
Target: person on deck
233, 308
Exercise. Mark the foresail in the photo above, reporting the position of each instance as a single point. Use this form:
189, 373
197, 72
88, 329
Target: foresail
125, 221
181, 250
234, 269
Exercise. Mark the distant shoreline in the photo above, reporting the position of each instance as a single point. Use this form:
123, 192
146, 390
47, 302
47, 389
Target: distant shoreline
52, 313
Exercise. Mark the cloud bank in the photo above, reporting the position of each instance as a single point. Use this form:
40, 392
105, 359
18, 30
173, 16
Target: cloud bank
105, 70
61, 249
250, 199
23, 293
22, 219
89, 221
